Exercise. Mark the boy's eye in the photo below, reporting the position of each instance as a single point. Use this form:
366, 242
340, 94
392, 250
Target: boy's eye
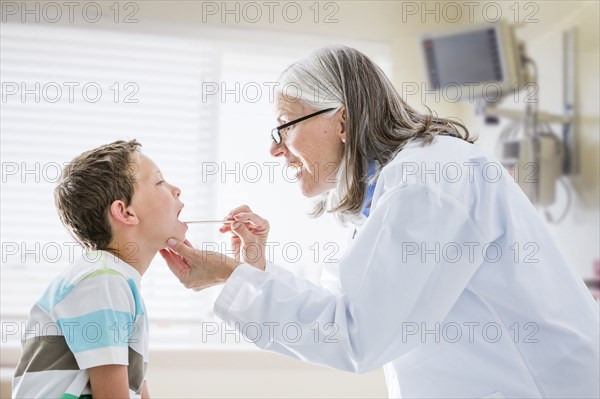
160, 182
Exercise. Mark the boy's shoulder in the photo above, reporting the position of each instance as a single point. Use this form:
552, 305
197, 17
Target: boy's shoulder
90, 272
97, 263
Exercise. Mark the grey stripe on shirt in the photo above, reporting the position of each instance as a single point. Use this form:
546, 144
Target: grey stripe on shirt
44, 353
51, 352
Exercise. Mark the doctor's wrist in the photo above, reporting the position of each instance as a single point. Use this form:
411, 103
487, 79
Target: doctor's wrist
261, 265
230, 266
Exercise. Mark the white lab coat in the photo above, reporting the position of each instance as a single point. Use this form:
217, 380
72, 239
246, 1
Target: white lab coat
452, 284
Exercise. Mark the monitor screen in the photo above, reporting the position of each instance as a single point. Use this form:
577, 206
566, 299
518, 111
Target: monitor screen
465, 58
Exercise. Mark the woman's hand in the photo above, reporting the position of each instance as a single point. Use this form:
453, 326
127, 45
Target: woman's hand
249, 237
201, 269
195, 268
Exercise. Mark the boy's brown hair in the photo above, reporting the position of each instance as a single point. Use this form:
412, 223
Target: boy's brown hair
89, 185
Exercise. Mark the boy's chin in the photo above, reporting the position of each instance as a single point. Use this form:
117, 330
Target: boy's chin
178, 235
179, 231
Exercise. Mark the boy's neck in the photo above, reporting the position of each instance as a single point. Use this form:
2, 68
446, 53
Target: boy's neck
132, 253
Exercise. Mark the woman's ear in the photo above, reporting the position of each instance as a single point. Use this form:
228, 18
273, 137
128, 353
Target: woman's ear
342, 121
122, 214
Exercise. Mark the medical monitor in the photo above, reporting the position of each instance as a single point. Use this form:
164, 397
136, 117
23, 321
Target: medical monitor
478, 61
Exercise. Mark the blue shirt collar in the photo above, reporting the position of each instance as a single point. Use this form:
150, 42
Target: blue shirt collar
366, 207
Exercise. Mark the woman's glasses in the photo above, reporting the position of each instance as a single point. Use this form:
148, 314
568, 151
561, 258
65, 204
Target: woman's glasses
276, 132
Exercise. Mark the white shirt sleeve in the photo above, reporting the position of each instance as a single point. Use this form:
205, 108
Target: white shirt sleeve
409, 263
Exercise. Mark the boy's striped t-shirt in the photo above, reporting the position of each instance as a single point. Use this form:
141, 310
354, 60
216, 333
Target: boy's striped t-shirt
90, 315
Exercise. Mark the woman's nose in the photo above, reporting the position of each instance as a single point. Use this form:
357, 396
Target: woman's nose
277, 150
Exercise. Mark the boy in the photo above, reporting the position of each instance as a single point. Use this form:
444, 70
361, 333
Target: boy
116, 204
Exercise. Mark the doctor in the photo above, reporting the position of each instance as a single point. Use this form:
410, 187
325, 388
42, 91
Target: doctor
451, 281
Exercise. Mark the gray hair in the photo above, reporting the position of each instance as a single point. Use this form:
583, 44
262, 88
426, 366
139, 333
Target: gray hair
379, 123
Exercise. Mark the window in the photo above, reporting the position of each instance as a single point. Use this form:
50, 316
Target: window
66, 90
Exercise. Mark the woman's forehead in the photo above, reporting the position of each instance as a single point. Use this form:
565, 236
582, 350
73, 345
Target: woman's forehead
288, 106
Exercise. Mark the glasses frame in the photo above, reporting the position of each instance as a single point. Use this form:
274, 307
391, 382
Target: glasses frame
275, 135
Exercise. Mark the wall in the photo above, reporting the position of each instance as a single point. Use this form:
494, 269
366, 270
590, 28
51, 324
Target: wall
392, 22
578, 235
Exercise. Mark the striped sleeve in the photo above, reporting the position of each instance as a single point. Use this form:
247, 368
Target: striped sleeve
96, 318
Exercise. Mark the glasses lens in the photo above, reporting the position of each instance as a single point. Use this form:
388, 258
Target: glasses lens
276, 136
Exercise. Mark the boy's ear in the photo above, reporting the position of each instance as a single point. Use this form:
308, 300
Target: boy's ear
122, 213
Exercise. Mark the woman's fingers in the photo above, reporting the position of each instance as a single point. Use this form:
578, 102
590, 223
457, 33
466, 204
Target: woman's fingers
227, 227
176, 262
195, 268
173, 260
253, 218
249, 233
177, 265
243, 233
236, 244
241, 208
185, 249
244, 214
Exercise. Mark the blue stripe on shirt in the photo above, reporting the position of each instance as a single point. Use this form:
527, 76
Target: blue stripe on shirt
99, 329
139, 304
56, 292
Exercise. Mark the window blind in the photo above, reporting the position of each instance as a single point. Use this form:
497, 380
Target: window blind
67, 90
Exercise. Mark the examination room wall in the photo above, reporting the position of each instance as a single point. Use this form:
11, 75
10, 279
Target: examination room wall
578, 234
388, 29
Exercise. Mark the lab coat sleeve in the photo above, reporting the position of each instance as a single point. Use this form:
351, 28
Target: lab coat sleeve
404, 269
287, 277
